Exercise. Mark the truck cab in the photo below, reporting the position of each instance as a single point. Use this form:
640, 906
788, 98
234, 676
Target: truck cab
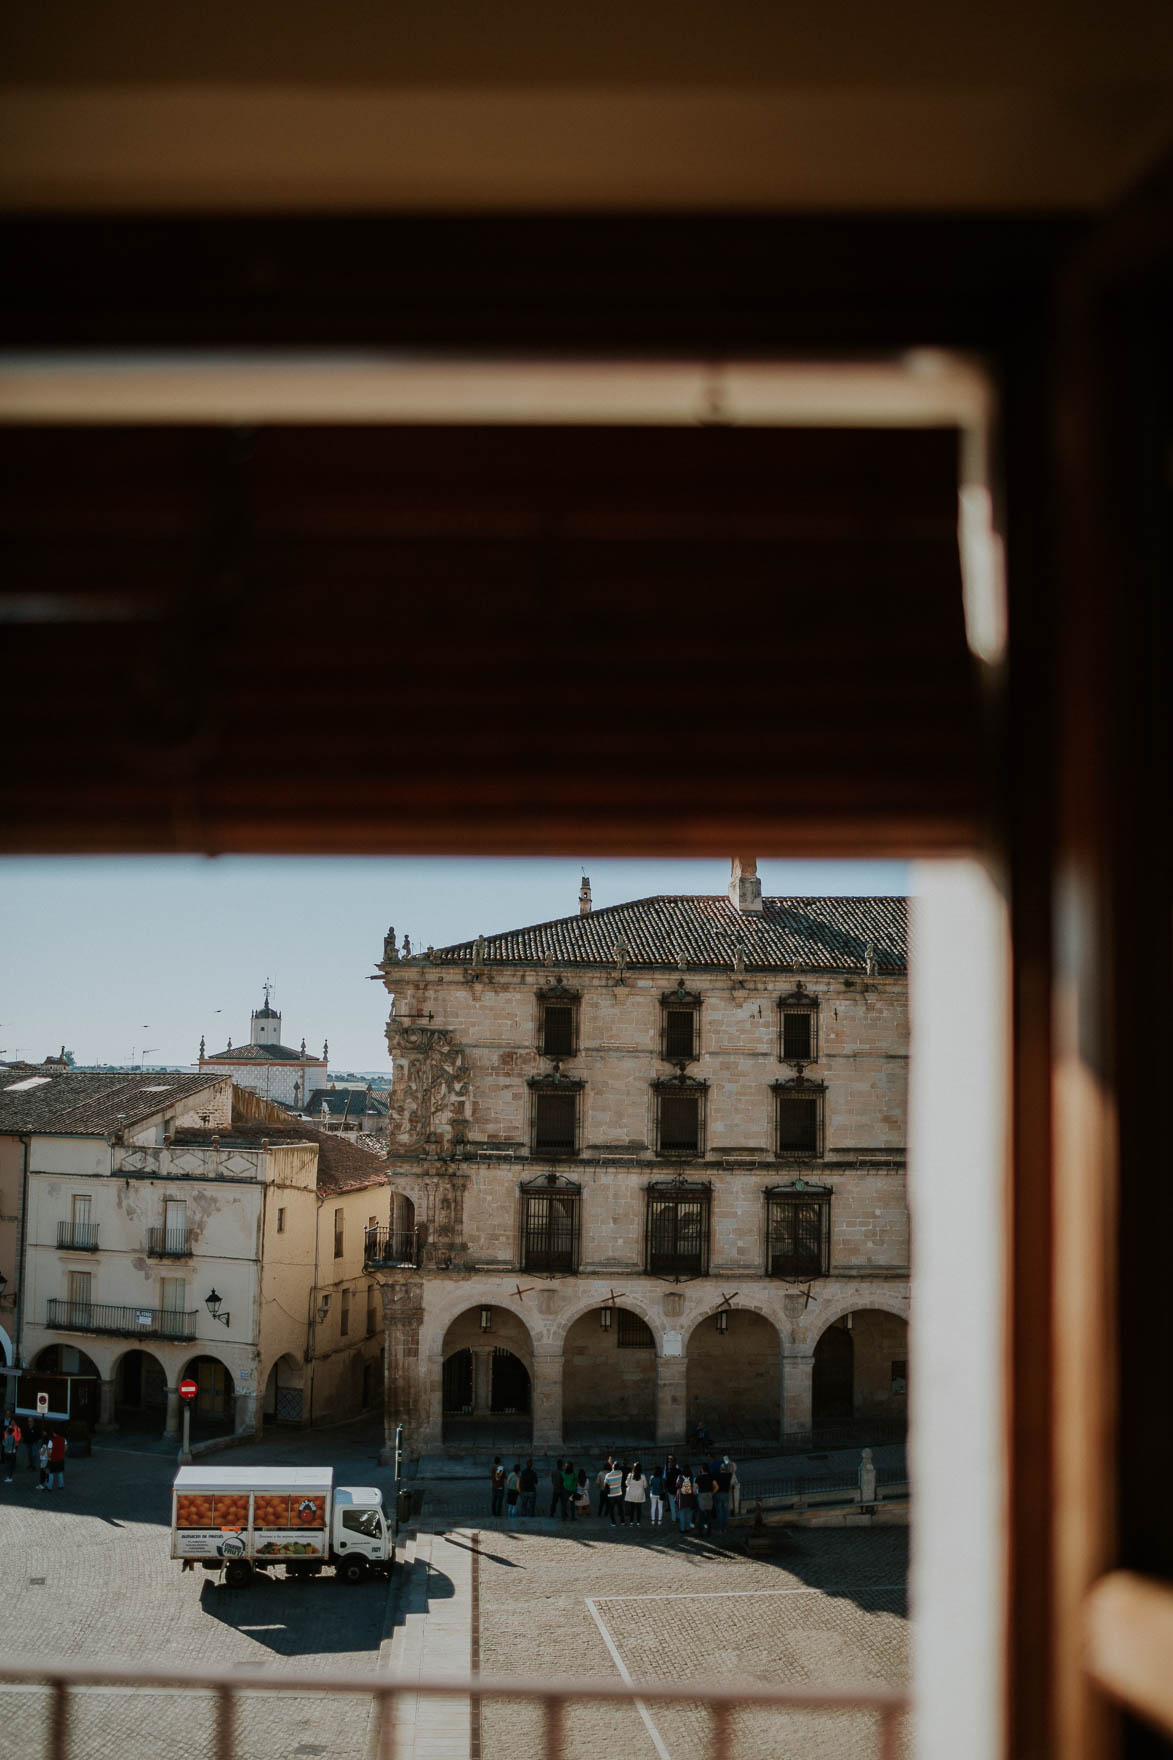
360, 1540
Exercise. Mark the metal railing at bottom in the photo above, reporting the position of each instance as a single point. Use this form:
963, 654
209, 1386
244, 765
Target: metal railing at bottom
65, 1680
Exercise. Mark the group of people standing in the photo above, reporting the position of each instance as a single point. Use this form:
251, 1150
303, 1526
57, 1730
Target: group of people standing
44, 1449
696, 1498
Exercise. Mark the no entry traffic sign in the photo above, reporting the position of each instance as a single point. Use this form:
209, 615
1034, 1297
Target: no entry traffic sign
188, 1389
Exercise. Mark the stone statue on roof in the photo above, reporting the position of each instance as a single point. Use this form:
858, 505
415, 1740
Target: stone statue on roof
390, 950
478, 951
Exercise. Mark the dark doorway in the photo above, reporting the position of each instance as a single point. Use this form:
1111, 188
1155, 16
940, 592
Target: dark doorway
833, 1392
510, 1383
458, 1382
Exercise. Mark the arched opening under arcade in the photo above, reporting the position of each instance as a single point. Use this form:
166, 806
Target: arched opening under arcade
72, 1381
284, 1390
861, 1374
734, 1384
140, 1392
609, 1378
213, 1410
488, 1379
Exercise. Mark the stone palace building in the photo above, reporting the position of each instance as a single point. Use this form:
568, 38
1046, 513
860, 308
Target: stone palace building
648, 1168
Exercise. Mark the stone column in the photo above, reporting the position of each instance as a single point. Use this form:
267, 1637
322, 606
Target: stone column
547, 1401
246, 1413
798, 1368
403, 1312
671, 1401
482, 1379
106, 1409
171, 1426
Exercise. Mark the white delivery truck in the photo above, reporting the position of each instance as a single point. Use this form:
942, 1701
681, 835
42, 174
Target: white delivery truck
247, 1519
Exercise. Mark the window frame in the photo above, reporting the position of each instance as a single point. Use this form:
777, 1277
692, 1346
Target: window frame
799, 1001
555, 1083
681, 1001
557, 995
800, 1087
792, 1195
339, 1232
549, 1186
681, 1086
677, 1194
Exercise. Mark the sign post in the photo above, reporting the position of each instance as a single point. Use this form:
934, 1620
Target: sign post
42, 1405
187, 1392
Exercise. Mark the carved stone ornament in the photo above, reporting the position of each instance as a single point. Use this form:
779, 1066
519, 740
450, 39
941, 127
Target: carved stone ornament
432, 1076
556, 1080
681, 1083
800, 1084
558, 992
799, 997
681, 997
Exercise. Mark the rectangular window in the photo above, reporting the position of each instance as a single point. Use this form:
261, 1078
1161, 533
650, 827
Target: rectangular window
344, 1314
558, 1029
79, 1231
372, 1308
281, 1220
798, 1233
81, 1212
798, 1035
339, 1220
79, 1287
549, 1230
173, 1294
680, 1033
634, 1333
555, 1122
679, 1122
800, 1121
678, 1233
174, 1225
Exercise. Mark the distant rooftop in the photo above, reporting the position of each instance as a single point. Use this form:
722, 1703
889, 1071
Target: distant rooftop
90, 1104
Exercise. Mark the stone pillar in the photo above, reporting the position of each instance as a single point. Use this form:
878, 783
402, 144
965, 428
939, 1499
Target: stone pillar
482, 1380
403, 1312
171, 1426
246, 1413
106, 1409
798, 1368
671, 1401
547, 1401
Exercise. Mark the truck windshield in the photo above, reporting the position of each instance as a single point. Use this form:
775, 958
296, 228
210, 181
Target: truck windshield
363, 1521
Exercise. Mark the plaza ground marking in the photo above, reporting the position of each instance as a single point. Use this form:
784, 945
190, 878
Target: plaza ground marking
661, 1750
725, 1594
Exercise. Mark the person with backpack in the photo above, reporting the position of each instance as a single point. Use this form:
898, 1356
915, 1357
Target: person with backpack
512, 1491
9, 1443
529, 1488
497, 1486
569, 1488
656, 1498
614, 1483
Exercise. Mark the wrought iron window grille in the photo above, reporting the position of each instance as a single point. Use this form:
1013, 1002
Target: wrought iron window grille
681, 1102
554, 1113
680, 1024
676, 1228
551, 1225
798, 1230
799, 1107
558, 1020
798, 1026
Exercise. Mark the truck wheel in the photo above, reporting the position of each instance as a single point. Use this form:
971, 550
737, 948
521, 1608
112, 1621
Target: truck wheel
352, 1570
237, 1573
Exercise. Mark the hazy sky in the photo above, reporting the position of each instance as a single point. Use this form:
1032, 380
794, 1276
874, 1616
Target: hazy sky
114, 958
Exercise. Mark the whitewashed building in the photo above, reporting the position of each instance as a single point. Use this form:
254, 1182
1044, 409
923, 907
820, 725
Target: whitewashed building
277, 1072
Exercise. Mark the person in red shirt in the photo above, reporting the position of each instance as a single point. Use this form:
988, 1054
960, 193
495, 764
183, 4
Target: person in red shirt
57, 1447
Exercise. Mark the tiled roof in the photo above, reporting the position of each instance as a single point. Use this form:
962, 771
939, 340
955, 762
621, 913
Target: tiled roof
90, 1104
260, 1054
343, 1165
800, 934
335, 1099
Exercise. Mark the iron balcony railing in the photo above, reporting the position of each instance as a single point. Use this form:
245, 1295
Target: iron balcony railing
390, 1246
79, 1237
723, 1704
125, 1322
169, 1243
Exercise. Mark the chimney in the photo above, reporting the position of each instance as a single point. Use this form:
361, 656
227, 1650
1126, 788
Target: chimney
584, 897
745, 889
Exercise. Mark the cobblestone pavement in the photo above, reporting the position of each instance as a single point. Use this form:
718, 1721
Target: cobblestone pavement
86, 1575
830, 1610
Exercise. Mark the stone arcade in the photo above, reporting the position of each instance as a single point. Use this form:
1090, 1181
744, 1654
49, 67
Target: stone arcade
648, 1169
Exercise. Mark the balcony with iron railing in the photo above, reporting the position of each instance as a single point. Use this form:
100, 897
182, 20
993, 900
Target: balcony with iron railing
78, 1237
119, 1321
169, 1243
384, 1248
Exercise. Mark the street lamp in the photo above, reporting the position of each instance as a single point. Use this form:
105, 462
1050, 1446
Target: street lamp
213, 1304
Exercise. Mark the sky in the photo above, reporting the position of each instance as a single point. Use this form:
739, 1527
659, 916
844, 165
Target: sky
130, 960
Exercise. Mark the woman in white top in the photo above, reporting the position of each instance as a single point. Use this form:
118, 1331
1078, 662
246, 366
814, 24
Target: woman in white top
636, 1494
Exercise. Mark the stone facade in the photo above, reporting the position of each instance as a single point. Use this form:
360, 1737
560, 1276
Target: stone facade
733, 1340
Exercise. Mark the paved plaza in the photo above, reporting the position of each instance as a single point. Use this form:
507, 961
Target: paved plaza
87, 1575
